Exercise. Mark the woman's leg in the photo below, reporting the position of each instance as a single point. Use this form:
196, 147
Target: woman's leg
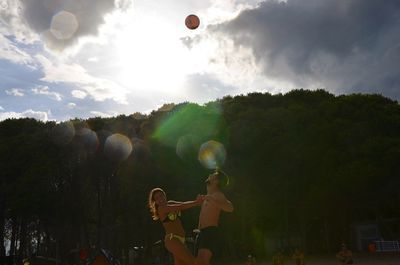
178, 261
180, 252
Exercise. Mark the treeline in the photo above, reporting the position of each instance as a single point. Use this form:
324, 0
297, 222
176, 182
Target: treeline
304, 167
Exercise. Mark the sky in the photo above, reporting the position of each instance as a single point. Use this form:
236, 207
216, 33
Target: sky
62, 59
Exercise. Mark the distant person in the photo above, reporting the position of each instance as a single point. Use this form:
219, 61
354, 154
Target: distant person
278, 258
298, 257
168, 212
251, 260
344, 256
207, 241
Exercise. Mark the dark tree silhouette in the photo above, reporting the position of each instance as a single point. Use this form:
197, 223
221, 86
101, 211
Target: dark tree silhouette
304, 166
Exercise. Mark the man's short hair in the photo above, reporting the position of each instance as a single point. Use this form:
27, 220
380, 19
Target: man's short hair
223, 179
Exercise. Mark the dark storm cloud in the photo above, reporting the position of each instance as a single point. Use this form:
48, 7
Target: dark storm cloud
343, 45
89, 15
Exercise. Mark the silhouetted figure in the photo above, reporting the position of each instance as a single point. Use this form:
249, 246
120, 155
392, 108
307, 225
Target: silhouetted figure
298, 257
278, 258
207, 241
169, 212
344, 256
251, 260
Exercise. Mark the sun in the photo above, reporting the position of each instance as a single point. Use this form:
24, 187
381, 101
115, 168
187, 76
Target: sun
150, 55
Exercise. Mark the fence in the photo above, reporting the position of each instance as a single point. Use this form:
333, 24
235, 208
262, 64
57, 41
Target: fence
387, 246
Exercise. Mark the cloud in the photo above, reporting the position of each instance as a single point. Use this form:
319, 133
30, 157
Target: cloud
62, 23
78, 94
1, 108
16, 92
219, 60
203, 88
38, 115
93, 59
345, 46
71, 105
45, 90
102, 114
13, 23
98, 89
10, 52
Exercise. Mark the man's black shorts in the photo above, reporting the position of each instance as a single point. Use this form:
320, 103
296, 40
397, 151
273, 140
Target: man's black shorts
208, 238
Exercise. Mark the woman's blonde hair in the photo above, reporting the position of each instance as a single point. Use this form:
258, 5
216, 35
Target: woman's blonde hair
152, 204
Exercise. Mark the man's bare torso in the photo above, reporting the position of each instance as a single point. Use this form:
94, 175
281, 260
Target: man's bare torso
209, 214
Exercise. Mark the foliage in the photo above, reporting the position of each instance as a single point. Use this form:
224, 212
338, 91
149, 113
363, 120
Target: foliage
300, 163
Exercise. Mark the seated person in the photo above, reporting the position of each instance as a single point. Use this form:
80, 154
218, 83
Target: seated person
298, 257
251, 260
278, 258
344, 256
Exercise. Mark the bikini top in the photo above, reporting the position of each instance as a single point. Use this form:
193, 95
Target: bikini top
172, 216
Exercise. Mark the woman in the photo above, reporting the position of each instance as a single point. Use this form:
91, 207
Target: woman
169, 215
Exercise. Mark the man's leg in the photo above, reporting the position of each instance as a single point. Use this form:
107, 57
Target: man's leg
204, 255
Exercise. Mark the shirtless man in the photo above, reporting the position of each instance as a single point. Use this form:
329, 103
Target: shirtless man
214, 202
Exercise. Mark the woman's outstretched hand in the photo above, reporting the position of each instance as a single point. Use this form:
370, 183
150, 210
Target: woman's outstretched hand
200, 198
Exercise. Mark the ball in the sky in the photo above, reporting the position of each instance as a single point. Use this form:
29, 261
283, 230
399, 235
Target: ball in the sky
192, 21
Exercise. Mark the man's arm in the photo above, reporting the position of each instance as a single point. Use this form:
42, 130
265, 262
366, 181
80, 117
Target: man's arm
221, 201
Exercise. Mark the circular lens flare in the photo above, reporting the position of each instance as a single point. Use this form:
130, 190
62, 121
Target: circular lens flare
88, 139
118, 147
63, 25
63, 133
212, 154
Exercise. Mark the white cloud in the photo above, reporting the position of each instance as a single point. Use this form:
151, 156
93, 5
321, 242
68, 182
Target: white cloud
45, 90
16, 92
10, 52
12, 22
1, 108
223, 10
93, 59
78, 94
219, 60
71, 105
38, 115
99, 89
102, 114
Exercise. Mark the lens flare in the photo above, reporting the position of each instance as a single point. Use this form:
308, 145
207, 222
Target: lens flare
63, 133
139, 150
88, 139
202, 121
103, 135
212, 154
63, 25
118, 147
186, 146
